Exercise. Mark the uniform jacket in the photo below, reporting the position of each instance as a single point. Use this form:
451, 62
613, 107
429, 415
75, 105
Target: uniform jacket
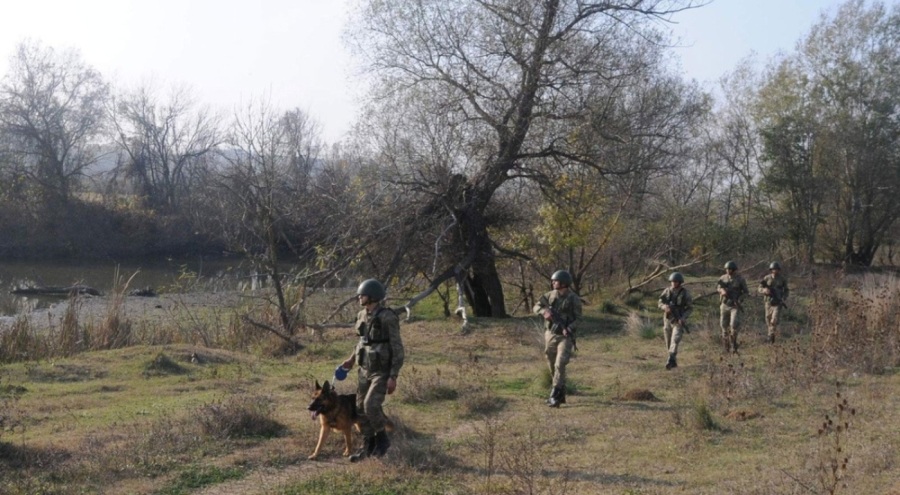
735, 285
568, 306
680, 298
380, 348
777, 285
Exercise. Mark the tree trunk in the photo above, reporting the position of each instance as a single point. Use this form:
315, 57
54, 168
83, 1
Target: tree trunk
485, 292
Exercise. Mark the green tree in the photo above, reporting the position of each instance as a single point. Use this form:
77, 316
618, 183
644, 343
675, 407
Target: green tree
831, 130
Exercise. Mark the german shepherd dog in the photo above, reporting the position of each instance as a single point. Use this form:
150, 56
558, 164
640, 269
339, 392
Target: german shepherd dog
335, 412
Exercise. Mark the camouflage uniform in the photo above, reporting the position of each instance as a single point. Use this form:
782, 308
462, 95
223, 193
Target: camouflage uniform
558, 347
778, 293
379, 355
730, 308
679, 299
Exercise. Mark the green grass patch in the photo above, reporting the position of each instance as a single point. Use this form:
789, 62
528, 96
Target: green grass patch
515, 385
195, 477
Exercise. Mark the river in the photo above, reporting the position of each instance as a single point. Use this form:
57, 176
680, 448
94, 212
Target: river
158, 274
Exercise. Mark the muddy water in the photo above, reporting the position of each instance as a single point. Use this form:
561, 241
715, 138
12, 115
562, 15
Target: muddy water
159, 275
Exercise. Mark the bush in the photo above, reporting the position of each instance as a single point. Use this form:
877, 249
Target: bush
641, 326
241, 416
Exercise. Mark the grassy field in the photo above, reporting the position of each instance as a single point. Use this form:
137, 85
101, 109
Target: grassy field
180, 418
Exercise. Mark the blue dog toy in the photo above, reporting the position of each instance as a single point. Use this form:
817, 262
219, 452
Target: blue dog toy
340, 373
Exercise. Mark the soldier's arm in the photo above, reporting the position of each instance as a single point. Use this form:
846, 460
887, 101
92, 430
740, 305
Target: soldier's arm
663, 303
688, 305
762, 286
398, 354
720, 287
576, 312
542, 303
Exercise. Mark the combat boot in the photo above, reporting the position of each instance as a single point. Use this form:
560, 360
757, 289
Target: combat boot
671, 363
382, 443
367, 449
554, 400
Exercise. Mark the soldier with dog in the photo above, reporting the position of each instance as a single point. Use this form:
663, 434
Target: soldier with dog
379, 355
774, 287
561, 309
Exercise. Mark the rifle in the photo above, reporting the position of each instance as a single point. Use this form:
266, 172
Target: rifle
559, 324
676, 314
777, 296
732, 294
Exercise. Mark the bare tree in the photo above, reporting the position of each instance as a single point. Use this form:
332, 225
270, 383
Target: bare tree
51, 109
162, 141
522, 86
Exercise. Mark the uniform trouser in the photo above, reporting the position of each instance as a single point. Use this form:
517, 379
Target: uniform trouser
370, 394
673, 332
730, 321
558, 349
773, 316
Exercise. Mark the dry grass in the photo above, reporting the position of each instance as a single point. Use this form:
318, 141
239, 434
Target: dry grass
469, 410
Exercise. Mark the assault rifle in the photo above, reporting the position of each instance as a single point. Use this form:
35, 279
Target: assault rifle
559, 324
733, 295
777, 297
676, 314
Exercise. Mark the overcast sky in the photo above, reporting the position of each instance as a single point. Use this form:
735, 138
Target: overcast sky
291, 51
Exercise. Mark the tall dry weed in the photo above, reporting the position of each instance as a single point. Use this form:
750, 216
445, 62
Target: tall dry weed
115, 330
19, 342
856, 329
640, 326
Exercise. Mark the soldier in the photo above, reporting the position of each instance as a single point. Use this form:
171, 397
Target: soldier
379, 354
774, 287
561, 309
676, 303
731, 288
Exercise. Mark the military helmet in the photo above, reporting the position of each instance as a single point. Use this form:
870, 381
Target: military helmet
372, 288
774, 265
731, 265
676, 277
563, 277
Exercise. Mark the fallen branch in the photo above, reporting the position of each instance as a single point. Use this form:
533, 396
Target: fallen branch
55, 291
659, 270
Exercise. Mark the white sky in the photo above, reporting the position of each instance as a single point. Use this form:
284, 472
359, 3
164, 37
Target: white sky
291, 51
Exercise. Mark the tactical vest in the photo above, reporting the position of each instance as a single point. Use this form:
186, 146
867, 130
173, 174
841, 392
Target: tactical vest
733, 288
374, 351
563, 306
373, 333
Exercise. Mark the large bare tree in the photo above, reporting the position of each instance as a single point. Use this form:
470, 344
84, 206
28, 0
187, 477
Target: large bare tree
525, 88
51, 110
163, 139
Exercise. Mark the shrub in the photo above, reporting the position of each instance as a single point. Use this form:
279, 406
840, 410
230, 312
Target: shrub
240, 416
638, 325
163, 365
